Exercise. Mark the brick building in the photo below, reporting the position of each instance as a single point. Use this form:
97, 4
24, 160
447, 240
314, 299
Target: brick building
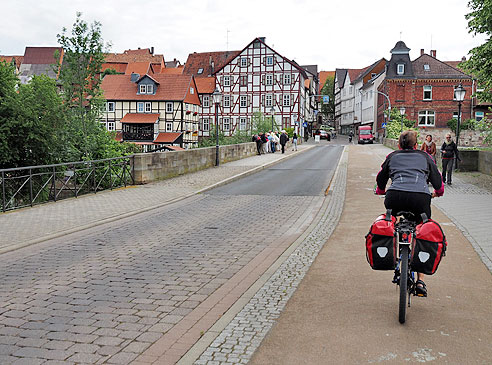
425, 88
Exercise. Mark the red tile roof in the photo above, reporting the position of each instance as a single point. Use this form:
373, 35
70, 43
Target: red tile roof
140, 68
137, 55
172, 70
42, 55
205, 85
323, 76
203, 61
8, 59
167, 137
118, 67
171, 88
140, 118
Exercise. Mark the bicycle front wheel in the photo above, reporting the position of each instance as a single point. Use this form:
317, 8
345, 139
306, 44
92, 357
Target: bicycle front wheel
402, 312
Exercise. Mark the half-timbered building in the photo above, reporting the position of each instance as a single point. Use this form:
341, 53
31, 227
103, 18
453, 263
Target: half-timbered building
259, 79
152, 110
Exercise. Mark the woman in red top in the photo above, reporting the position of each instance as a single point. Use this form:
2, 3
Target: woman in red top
429, 146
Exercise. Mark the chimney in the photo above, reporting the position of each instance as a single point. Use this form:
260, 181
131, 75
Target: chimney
262, 39
422, 51
463, 59
433, 53
152, 50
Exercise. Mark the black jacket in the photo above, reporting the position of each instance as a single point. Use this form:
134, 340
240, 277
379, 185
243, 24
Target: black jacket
449, 150
409, 170
283, 139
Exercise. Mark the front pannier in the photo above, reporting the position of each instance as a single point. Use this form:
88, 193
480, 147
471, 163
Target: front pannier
381, 243
428, 247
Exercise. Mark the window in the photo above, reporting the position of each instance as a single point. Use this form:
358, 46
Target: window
169, 127
268, 100
227, 101
455, 115
286, 79
140, 107
373, 75
143, 89
206, 101
148, 107
150, 89
200, 71
427, 118
268, 79
169, 107
400, 69
192, 91
243, 101
243, 123
427, 67
227, 81
243, 81
286, 100
269, 61
110, 106
479, 116
244, 62
111, 126
226, 124
205, 124
427, 92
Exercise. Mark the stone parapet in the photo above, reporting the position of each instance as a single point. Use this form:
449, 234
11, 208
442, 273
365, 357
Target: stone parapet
149, 167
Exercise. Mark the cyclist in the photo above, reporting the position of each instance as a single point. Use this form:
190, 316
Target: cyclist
410, 171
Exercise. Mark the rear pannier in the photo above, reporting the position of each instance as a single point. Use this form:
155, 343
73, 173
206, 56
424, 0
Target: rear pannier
381, 243
428, 247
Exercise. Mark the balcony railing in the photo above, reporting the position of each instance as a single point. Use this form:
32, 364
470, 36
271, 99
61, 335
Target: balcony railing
139, 136
29, 186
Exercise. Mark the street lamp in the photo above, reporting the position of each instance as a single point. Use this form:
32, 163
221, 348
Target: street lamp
459, 95
402, 113
217, 96
272, 111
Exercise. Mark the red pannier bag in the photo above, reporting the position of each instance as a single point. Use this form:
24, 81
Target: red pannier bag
381, 243
428, 247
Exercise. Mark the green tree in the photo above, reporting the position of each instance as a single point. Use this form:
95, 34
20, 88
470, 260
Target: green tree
479, 64
262, 123
328, 109
80, 81
397, 122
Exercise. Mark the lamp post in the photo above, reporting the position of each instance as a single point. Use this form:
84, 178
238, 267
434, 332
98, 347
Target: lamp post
217, 96
272, 111
402, 113
459, 95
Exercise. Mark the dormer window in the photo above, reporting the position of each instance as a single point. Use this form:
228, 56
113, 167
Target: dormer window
192, 91
400, 69
426, 67
143, 89
200, 71
150, 89
244, 62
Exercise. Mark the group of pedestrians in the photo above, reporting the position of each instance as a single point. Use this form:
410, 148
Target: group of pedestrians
269, 142
449, 152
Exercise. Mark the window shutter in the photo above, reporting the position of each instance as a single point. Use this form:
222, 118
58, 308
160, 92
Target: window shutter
263, 99
292, 99
249, 100
264, 61
263, 79
222, 80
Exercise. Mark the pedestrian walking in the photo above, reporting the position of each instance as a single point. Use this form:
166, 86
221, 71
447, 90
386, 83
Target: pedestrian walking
449, 152
294, 142
283, 140
429, 146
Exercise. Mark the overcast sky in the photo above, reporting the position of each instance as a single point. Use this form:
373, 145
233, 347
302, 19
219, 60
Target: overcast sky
329, 33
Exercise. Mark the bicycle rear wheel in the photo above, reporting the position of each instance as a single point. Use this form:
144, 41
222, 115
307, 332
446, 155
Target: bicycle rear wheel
402, 308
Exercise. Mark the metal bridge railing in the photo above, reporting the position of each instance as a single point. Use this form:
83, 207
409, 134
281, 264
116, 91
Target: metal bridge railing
28, 186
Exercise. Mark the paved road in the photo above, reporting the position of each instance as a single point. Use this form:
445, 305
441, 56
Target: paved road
117, 293
307, 175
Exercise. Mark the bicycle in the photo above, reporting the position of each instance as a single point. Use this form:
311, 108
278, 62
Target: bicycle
404, 277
